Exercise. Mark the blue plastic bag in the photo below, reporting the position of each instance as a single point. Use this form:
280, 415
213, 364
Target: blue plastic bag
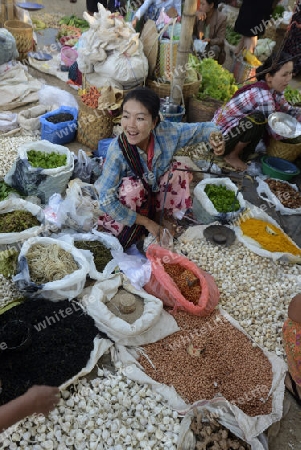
62, 132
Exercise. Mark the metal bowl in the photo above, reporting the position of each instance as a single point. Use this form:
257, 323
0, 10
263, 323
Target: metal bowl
284, 125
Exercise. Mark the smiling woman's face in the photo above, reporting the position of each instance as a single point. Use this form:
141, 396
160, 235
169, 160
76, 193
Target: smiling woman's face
280, 80
137, 123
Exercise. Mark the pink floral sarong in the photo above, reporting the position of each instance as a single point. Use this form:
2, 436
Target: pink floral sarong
133, 194
292, 345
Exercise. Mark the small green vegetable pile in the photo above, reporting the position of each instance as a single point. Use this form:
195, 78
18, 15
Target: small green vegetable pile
232, 36
75, 21
217, 82
5, 190
46, 160
101, 254
224, 200
17, 221
292, 96
8, 262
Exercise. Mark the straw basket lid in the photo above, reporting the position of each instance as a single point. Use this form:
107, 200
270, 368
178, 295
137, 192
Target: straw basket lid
149, 38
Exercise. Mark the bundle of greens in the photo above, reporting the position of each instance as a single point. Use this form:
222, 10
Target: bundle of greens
217, 82
292, 96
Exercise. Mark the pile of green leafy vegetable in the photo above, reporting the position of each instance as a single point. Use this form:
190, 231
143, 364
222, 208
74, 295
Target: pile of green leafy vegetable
224, 200
74, 21
46, 160
232, 36
217, 82
5, 190
292, 96
278, 12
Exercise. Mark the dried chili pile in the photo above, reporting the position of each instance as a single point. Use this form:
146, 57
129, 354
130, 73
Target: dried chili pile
188, 284
62, 338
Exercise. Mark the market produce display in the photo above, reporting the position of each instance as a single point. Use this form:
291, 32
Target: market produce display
293, 96
46, 160
286, 194
269, 236
217, 366
186, 281
48, 263
232, 36
101, 254
210, 434
223, 199
75, 21
8, 262
17, 221
6, 190
60, 117
217, 82
57, 350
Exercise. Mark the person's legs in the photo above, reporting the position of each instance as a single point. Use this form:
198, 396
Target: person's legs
242, 140
291, 341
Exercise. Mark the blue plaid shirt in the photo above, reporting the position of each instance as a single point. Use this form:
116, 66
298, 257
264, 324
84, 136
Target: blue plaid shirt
168, 137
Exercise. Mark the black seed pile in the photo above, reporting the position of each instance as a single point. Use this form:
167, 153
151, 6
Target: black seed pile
61, 342
60, 117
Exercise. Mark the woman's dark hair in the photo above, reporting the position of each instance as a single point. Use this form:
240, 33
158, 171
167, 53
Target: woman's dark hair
272, 65
149, 99
215, 3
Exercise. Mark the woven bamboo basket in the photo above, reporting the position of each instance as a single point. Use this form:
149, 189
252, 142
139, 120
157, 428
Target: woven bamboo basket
284, 150
23, 34
202, 110
93, 125
164, 89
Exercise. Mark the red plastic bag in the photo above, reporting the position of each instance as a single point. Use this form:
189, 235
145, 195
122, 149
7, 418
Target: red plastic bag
162, 286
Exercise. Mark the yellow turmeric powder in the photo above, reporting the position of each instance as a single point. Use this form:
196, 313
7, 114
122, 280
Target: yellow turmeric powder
269, 236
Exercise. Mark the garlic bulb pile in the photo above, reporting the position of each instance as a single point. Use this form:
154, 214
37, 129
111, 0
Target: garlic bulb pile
256, 291
9, 150
8, 291
109, 412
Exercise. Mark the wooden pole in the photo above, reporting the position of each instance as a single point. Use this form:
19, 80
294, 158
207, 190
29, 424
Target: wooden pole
184, 48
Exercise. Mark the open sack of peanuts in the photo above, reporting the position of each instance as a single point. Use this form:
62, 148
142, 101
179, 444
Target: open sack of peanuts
212, 363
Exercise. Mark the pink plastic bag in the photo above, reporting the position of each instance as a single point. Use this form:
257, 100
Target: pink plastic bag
162, 286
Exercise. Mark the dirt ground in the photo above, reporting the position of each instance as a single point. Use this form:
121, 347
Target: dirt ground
285, 435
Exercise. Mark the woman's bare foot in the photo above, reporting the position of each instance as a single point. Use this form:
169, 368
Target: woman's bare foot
235, 162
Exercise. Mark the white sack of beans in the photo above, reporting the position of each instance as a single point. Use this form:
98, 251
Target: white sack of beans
154, 323
250, 426
68, 287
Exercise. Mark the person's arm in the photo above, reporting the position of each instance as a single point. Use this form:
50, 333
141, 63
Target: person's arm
219, 37
142, 10
114, 169
38, 399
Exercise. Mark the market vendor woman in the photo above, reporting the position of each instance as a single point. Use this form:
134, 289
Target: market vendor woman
243, 120
139, 176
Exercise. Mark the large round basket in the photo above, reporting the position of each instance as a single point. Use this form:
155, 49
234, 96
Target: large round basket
202, 110
93, 125
23, 34
284, 150
164, 89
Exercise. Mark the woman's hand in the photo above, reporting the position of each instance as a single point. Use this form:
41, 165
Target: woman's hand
42, 399
201, 15
152, 227
134, 22
217, 143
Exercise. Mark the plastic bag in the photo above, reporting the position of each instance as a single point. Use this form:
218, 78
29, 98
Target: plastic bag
134, 265
67, 287
266, 194
204, 209
54, 97
152, 325
87, 169
36, 181
8, 47
162, 286
80, 208
14, 204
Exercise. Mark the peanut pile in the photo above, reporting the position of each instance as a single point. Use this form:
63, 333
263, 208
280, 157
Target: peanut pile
187, 282
223, 362
211, 435
286, 194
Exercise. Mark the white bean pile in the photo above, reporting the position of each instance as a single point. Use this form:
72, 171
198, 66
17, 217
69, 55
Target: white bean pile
110, 412
9, 150
256, 291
